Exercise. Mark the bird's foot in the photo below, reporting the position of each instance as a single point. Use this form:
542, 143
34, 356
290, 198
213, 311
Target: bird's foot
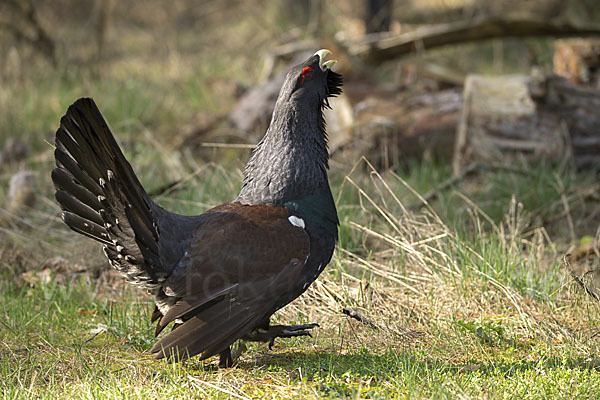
272, 332
285, 331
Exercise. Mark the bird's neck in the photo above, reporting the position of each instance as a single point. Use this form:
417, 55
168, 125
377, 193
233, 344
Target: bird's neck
290, 161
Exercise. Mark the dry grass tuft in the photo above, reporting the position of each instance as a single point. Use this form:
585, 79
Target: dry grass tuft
419, 283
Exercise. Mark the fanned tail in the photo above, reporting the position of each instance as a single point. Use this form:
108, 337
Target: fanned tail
102, 198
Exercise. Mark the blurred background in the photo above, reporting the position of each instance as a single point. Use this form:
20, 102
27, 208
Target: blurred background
445, 88
465, 153
494, 100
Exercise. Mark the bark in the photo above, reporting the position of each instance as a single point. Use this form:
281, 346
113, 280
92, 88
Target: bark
507, 118
379, 15
375, 50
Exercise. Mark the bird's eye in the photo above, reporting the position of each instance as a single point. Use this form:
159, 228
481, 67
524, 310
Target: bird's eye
306, 74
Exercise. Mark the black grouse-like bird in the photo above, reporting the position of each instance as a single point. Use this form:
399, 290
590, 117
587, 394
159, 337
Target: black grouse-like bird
218, 276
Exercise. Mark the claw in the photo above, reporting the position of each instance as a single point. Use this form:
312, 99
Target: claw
279, 331
299, 327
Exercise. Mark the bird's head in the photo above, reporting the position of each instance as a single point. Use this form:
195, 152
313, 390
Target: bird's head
311, 82
291, 160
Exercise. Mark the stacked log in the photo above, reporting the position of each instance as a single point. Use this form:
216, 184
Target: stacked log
511, 117
578, 60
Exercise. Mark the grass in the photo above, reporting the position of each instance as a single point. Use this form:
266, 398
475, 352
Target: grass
483, 309
467, 296
50, 354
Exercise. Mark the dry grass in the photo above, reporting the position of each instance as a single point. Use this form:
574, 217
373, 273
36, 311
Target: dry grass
451, 310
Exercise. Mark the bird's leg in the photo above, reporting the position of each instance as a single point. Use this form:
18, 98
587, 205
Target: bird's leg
237, 349
270, 333
225, 359
230, 355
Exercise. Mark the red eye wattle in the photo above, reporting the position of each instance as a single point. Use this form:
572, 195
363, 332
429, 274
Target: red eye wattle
306, 74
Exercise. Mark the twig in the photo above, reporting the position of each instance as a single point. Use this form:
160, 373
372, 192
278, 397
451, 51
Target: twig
352, 313
167, 187
229, 145
23, 349
578, 280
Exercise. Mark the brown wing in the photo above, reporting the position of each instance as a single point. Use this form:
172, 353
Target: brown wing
240, 261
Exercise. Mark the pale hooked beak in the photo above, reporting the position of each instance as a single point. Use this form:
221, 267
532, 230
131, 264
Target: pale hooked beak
325, 65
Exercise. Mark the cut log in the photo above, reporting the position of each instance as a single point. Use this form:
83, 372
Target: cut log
578, 60
378, 50
579, 110
391, 130
510, 117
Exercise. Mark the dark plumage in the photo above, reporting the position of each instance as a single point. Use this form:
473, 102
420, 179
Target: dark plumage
218, 276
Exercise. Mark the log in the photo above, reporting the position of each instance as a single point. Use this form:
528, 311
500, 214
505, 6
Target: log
253, 111
393, 129
578, 60
499, 119
380, 122
578, 107
512, 117
376, 50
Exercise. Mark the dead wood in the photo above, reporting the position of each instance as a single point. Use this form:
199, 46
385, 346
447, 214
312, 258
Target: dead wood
506, 118
352, 313
578, 60
375, 50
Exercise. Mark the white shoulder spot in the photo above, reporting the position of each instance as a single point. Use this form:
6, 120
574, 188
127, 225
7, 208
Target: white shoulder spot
296, 221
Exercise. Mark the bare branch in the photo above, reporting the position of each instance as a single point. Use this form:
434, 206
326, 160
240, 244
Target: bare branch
375, 49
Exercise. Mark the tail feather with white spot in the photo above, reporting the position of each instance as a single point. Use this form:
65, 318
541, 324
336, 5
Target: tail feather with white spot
102, 198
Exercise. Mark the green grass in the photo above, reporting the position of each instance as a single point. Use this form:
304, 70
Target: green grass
477, 310
46, 354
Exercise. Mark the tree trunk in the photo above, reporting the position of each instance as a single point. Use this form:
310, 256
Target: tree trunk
378, 15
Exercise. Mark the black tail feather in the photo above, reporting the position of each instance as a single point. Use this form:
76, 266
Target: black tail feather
87, 228
101, 196
66, 163
63, 180
76, 206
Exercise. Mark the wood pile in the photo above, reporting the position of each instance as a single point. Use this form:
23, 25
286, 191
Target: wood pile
505, 118
578, 60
